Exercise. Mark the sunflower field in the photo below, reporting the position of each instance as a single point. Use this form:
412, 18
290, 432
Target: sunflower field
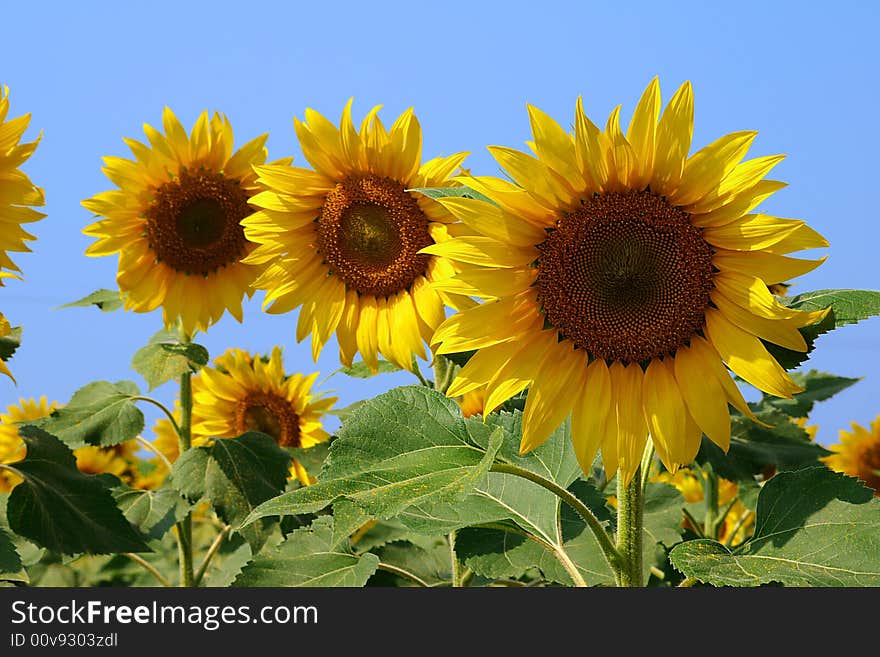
608, 374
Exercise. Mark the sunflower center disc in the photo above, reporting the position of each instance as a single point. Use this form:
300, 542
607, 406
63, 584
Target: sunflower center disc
626, 277
370, 232
194, 222
271, 415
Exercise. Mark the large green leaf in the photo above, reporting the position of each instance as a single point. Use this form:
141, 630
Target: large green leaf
154, 512
162, 360
62, 509
11, 569
424, 559
309, 557
100, 413
104, 299
847, 307
235, 475
405, 447
814, 527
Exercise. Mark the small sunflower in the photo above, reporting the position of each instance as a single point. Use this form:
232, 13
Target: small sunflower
12, 447
18, 194
119, 460
858, 454
739, 521
175, 221
620, 275
343, 241
246, 393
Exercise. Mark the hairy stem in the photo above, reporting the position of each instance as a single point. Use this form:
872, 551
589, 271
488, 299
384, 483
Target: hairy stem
215, 547
184, 527
630, 528
147, 566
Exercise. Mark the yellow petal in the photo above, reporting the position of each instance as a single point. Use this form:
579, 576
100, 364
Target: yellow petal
708, 166
534, 176
367, 337
703, 393
769, 267
642, 133
736, 206
778, 331
665, 412
509, 318
491, 221
518, 371
484, 251
746, 356
752, 233
590, 415
632, 432
550, 398
554, 146
674, 134
751, 294
802, 237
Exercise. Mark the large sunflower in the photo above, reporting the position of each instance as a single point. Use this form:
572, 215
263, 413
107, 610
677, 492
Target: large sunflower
17, 193
175, 221
343, 241
858, 454
619, 275
245, 393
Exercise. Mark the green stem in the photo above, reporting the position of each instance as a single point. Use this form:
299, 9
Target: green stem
146, 566
418, 373
400, 572
630, 528
608, 550
162, 407
453, 558
712, 519
215, 547
444, 370
151, 447
184, 527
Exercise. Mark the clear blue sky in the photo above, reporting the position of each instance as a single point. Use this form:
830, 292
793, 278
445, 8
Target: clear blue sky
91, 73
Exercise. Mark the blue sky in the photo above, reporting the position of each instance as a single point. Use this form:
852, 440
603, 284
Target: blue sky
92, 73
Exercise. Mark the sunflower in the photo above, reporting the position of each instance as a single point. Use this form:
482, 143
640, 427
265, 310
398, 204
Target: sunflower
167, 443
619, 276
858, 454
5, 331
12, 447
119, 460
175, 221
245, 393
471, 403
738, 523
17, 193
343, 241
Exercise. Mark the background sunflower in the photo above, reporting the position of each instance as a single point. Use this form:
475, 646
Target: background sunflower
343, 241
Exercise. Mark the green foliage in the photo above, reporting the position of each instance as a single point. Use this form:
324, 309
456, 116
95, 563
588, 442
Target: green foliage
153, 512
100, 413
62, 509
309, 557
106, 300
445, 192
360, 370
11, 569
405, 447
165, 359
818, 386
847, 307
814, 527
9, 343
235, 475
424, 559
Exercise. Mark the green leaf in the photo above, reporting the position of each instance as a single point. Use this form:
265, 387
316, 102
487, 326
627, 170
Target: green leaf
753, 447
62, 509
850, 306
311, 458
104, 299
11, 569
308, 557
360, 370
161, 362
9, 343
345, 413
818, 386
153, 512
235, 475
100, 413
814, 527
405, 447
847, 307
445, 192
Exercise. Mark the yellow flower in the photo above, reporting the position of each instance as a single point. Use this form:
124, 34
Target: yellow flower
17, 193
175, 221
12, 447
690, 486
119, 460
245, 393
619, 276
343, 241
858, 454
